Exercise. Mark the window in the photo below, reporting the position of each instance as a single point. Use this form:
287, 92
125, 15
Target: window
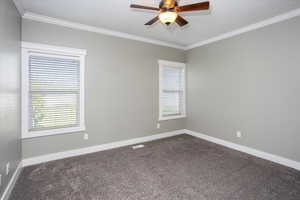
52, 90
171, 90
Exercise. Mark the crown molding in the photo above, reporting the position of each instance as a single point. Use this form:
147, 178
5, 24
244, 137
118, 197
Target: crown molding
73, 25
252, 27
19, 7
69, 24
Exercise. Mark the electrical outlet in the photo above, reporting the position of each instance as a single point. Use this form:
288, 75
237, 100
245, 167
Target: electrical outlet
86, 136
158, 125
7, 168
239, 134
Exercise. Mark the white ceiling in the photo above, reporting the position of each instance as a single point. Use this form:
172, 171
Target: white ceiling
224, 16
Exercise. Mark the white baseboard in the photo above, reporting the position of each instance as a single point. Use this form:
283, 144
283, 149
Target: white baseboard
248, 150
61, 155
12, 182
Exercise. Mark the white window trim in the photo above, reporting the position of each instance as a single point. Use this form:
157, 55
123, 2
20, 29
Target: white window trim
42, 48
163, 63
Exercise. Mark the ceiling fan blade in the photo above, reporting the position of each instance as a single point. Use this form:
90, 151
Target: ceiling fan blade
152, 21
143, 7
193, 7
180, 21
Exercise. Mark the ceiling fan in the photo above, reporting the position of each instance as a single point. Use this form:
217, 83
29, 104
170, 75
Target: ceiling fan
169, 11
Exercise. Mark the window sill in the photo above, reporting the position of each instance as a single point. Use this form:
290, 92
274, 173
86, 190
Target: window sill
171, 117
34, 134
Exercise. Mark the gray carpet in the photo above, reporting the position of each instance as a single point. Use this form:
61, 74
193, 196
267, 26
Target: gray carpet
177, 168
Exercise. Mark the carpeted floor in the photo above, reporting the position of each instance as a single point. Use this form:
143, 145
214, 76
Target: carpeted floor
177, 168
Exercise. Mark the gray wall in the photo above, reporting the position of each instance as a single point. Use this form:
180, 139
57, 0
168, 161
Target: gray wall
249, 83
121, 88
10, 36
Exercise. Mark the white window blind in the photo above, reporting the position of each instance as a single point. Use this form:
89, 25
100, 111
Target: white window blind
54, 92
172, 90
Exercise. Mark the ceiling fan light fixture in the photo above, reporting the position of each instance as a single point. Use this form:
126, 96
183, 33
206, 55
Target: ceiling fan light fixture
168, 17
170, 11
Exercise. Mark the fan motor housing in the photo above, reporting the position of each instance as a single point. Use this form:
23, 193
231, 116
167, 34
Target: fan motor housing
168, 4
